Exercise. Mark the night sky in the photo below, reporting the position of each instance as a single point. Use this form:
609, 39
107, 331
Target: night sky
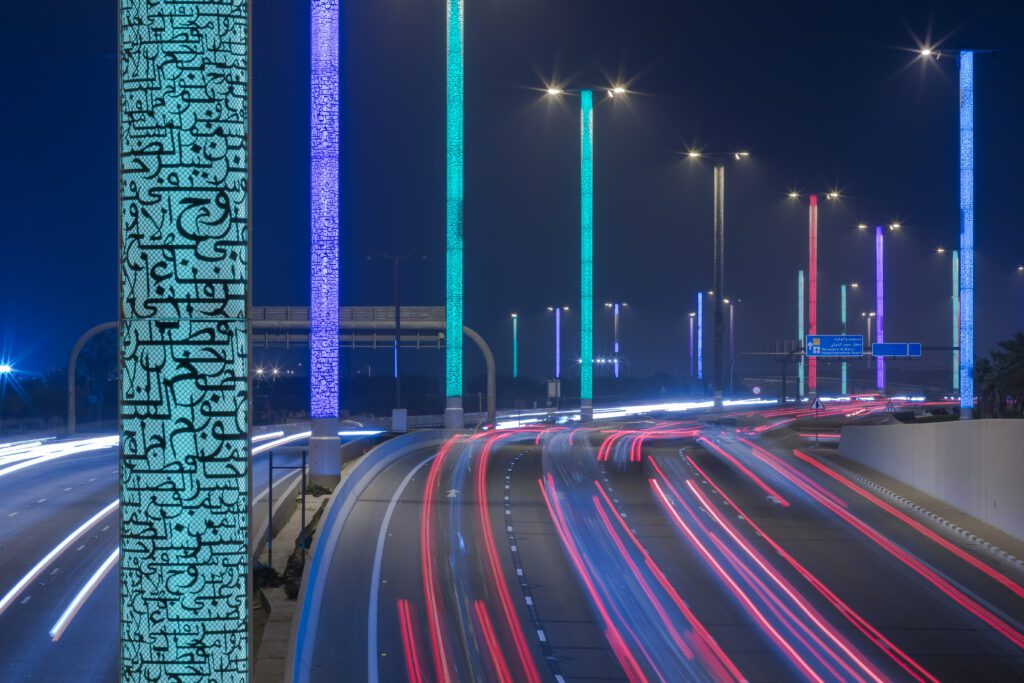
822, 94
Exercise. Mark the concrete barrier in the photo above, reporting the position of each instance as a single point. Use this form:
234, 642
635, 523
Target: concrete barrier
974, 465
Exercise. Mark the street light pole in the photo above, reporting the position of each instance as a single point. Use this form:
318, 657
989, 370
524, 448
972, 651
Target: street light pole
396, 261
719, 278
691, 317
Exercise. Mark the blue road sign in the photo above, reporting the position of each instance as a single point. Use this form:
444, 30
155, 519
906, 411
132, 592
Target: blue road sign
899, 350
835, 345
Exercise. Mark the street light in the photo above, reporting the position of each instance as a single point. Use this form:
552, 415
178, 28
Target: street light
616, 307
812, 277
397, 260
587, 244
719, 268
6, 369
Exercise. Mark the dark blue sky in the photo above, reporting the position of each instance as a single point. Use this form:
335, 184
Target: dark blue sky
822, 94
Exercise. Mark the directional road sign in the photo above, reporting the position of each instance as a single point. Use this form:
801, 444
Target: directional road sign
835, 346
899, 350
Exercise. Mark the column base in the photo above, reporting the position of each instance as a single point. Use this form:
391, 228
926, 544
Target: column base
719, 399
587, 410
966, 413
324, 464
454, 418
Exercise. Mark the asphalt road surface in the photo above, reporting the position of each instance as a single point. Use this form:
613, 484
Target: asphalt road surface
683, 550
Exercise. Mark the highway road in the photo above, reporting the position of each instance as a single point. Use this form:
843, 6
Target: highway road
58, 567
668, 550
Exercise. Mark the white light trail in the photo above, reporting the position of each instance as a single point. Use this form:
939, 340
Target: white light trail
40, 566
58, 628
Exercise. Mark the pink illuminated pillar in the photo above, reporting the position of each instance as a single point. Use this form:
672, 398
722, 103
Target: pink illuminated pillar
879, 303
812, 308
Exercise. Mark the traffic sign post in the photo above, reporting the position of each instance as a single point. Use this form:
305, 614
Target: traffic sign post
896, 350
834, 346
817, 415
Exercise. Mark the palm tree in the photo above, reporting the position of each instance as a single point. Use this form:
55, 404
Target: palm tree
1008, 362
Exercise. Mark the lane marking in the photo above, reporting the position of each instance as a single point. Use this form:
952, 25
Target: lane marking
373, 673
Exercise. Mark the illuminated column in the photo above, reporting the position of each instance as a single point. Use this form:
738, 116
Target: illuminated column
691, 317
558, 343
812, 291
453, 418
616, 348
956, 319
800, 328
586, 255
515, 346
879, 303
966, 234
185, 568
700, 335
732, 332
842, 313
324, 447
719, 218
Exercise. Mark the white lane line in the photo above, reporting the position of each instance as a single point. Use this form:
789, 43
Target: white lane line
81, 547
13, 513
58, 628
378, 558
40, 566
41, 500
25, 599
105, 528
67, 489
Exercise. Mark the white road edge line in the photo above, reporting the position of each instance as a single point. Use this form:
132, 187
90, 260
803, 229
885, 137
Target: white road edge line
23, 583
373, 674
58, 628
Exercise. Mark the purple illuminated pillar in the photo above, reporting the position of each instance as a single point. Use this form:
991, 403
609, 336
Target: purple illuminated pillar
323, 339
879, 303
558, 343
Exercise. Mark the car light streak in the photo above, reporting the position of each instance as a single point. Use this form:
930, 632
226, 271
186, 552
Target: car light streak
49, 452
33, 573
72, 609
413, 667
497, 658
511, 622
291, 438
790, 473
908, 664
916, 526
737, 592
924, 571
622, 653
263, 437
772, 493
712, 655
442, 667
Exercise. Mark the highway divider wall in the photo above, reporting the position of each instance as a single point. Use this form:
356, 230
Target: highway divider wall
975, 465
314, 580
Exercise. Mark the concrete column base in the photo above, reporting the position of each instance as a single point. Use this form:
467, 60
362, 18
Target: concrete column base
587, 410
324, 463
966, 413
719, 399
454, 418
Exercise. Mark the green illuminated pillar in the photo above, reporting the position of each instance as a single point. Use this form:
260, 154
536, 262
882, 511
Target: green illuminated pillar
515, 345
185, 578
586, 255
453, 418
800, 329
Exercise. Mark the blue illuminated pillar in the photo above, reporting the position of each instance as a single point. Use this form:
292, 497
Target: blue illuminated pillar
880, 304
956, 320
454, 220
325, 449
966, 234
800, 329
184, 463
842, 312
700, 335
586, 255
